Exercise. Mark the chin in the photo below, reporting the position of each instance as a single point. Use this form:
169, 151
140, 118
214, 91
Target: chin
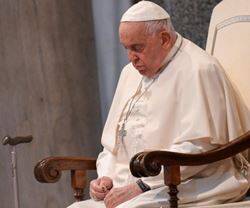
141, 69
144, 73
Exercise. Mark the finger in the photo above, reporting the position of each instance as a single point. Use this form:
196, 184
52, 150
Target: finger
109, 194
107, 202
96, 187
92, 196
106, 186
107, 179
115, 197
110, 199
106, 183
98, 180
95, 182
97, 195
103, 187
116, 200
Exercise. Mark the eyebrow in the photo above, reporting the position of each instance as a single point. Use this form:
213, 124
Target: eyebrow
134, 45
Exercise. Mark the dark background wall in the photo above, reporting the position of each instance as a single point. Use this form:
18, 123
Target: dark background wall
48, 88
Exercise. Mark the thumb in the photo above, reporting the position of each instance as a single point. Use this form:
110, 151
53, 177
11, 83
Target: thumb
103, 186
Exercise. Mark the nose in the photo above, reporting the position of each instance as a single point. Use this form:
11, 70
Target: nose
132, 56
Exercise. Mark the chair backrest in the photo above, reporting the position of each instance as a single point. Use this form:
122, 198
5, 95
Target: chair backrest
229, 41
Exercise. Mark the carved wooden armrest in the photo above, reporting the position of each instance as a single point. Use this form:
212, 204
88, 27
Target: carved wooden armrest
146, 164
49, 170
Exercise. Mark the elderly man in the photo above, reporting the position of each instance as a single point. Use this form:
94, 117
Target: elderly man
172, 96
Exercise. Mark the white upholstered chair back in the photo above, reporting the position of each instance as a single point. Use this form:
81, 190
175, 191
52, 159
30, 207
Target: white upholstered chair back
229, 41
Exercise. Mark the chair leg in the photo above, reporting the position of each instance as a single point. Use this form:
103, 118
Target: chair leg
78, 183
172, 179
173, 191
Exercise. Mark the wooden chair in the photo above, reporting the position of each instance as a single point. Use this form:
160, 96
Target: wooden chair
228, 17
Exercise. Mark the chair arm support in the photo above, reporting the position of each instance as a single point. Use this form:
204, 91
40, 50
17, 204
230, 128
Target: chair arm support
146, 164
49, 170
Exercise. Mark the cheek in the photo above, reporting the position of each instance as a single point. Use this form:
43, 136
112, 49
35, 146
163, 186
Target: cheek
149, 59
155, 57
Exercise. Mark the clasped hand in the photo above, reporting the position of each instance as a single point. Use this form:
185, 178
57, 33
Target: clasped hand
102, 189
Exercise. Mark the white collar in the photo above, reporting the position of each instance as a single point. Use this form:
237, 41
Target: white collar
173, 51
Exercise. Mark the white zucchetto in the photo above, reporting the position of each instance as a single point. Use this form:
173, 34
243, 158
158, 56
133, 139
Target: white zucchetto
144, 11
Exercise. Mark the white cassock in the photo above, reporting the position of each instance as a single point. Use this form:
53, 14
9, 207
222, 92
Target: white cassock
188, 107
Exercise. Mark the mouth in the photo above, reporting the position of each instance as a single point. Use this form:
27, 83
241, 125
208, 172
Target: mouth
140, 67
141, 71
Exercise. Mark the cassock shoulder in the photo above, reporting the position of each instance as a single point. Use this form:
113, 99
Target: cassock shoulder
199, 64
207, 100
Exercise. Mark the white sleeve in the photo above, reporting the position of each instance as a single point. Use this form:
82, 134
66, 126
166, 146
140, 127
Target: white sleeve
105, 163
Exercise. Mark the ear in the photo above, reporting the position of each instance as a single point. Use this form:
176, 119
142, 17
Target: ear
165, 39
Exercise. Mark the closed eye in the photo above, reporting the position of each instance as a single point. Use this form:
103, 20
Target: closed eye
135, 47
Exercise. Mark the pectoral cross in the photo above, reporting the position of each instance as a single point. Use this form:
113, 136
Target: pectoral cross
122, 132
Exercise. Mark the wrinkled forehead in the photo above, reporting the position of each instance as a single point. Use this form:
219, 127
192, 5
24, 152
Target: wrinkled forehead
132, 30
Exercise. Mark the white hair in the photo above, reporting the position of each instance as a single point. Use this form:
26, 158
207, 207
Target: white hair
155, 26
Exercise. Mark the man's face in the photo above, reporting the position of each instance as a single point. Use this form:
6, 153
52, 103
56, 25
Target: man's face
146, 52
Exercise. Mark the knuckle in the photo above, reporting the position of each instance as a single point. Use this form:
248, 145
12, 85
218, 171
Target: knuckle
114, 190
93, 182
